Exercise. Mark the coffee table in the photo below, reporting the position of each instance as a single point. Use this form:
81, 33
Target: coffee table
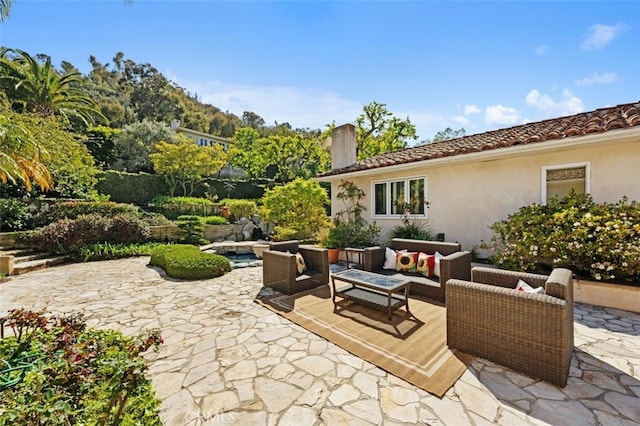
373, 290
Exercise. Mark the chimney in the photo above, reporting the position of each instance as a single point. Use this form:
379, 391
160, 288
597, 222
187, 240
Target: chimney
343, 146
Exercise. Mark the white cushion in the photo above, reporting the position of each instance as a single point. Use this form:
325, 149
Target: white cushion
390, 258
523, 286
436, 267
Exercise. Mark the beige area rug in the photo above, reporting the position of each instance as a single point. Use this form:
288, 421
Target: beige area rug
412, 347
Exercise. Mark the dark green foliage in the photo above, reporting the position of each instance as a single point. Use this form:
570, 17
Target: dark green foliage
601, 240
73, 209
191, 229
172, 207
14, 215
134, 188
109, 251
412, 229
187, 262
77, 375
67, 236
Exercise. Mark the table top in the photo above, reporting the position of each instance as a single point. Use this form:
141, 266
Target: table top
370, 279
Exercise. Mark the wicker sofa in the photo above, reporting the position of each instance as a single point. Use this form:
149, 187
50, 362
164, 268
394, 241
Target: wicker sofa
279, 267
454, 264
527, 332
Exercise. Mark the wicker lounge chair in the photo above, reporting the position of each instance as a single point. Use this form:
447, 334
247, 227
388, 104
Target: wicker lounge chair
527, 332
279, 267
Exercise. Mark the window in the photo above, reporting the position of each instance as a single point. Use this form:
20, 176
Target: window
560, 180
390, 198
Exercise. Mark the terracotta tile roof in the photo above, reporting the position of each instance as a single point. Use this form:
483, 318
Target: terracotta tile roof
598, 121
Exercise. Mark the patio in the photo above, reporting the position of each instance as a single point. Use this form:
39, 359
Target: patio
228, 360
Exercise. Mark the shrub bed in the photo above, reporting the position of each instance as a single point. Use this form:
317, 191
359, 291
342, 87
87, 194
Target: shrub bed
67, 236
62, 373
73, 209
187, 262
601, 240
14, 215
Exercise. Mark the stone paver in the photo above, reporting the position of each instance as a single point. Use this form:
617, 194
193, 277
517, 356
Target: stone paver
227, 360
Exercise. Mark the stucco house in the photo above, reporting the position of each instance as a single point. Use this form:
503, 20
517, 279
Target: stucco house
461, 186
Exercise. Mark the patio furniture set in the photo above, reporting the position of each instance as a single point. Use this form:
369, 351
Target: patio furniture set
488, 313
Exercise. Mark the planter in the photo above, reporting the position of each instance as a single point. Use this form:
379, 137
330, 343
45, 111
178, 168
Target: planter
334, 254
607, 295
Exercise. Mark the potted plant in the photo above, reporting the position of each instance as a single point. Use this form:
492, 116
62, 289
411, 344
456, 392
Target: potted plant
349, 228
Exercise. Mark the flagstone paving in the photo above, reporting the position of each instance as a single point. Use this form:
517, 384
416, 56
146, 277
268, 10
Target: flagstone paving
228, 360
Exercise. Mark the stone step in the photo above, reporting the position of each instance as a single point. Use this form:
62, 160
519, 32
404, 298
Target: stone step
23, 267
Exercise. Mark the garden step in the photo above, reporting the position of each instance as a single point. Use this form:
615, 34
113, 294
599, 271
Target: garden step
23, 267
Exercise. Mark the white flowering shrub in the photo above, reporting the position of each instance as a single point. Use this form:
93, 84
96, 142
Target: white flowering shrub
601, 240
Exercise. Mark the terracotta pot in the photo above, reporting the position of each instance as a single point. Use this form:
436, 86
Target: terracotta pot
334, 254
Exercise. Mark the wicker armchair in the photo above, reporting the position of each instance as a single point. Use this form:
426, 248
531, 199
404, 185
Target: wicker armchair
527, 332
279, 267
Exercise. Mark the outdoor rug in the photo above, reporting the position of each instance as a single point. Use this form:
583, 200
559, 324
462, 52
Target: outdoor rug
412, 347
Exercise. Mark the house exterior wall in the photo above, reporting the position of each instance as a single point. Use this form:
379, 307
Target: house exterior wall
467, 193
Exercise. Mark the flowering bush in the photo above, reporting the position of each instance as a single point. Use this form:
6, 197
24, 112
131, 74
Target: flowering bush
601, 240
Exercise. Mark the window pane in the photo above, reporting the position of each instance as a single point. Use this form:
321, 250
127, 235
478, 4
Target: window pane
416, 196
380, 198
561, 181
397, 197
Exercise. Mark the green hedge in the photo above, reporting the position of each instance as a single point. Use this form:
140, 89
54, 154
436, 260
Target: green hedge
187, 262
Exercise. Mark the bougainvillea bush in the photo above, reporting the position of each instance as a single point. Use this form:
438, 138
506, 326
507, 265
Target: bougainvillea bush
54, 370
601, 240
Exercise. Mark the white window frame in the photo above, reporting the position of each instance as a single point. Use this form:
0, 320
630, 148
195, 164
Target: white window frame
388, 183
543, 177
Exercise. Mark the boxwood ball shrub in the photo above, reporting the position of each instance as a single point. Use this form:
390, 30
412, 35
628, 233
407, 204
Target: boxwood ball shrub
187, 262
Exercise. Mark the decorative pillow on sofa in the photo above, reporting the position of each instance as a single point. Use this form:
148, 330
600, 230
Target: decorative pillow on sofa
426, 264
523, 286
406, 261
389, 259
436, 267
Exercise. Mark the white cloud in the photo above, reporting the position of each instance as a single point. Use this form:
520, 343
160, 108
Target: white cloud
568, 105
501, 115
472, 109
539, 50
595, 78
599, 35
301, 107
462, 120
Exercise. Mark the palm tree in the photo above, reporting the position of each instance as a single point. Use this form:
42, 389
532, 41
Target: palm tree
5, 6
33, 85
20, 157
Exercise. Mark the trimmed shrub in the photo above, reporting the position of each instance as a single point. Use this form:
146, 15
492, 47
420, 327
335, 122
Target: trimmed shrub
214, 220
67, 236
73, 209
191, 230
187, 262
134, 188
14, 215
173, 207
240, 208
601, 240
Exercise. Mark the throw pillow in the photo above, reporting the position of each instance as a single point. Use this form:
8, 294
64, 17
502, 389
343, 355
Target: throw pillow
426, 263
389, 259
523, 286
301, 266
436, 267
406, 261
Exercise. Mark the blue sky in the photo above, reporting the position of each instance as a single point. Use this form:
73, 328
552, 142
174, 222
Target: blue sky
479, 65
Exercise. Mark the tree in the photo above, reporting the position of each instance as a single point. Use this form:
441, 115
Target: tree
33, 85
21, 156
185, 164
136, 141
297, 209
378, 131
449, 133
282, 158
251, 119
5, 7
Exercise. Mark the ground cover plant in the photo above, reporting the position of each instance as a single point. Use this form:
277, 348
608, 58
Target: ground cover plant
600, 240
57, 371
109, 251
